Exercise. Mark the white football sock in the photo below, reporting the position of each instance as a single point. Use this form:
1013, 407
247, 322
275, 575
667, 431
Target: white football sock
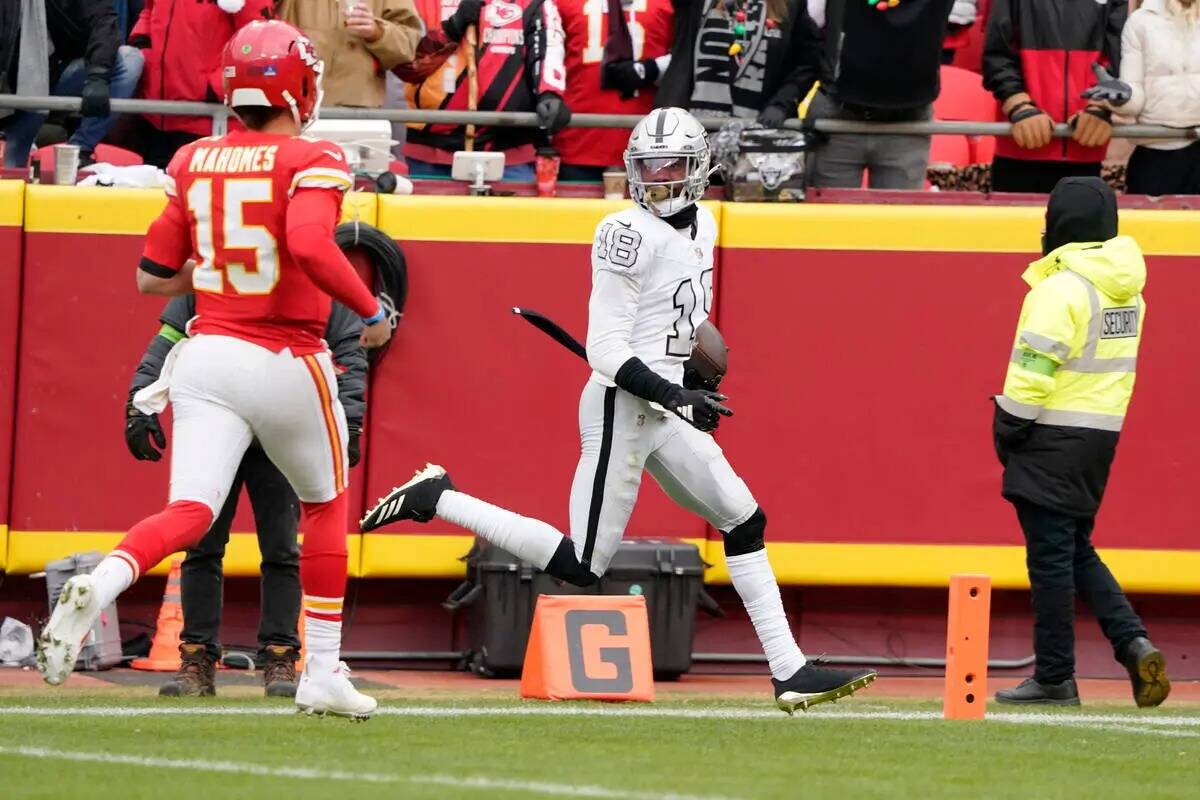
755, 584
322, 645
111, 576
526, 538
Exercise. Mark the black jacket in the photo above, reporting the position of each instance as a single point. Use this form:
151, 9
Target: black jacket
791, 71
342, 335
1062, 468
884, 59
84, 29
1047, 48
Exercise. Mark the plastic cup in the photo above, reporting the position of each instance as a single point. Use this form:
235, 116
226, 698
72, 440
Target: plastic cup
615, 184
546, 167
66, 164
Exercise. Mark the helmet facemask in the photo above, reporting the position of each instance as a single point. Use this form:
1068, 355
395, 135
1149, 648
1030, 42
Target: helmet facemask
667, 162
665, 184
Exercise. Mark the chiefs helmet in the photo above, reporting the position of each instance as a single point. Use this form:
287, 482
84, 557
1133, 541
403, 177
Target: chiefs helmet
274, 65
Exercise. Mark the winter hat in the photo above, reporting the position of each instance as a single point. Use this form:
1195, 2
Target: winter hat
1080, 210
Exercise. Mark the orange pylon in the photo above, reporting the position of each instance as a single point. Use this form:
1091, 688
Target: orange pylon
164, 649
967, 627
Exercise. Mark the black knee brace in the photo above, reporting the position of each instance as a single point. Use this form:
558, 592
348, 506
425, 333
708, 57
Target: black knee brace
566, 567
747, 537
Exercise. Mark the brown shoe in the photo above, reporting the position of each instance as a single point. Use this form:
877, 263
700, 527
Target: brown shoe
279, 673
196, 676
1147, 672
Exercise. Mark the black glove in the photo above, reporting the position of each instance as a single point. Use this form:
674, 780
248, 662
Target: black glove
141, 41
700, 409
1109, 89
552, 113
95, 97
140, 429
465, 15
353, 449
629, 76
773, 116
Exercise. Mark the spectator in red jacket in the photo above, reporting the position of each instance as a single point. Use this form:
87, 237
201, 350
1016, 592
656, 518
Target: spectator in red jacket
1037, 61
182, 41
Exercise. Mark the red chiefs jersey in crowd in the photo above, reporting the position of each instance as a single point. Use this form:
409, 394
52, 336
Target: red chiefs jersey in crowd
228, 205
585, 23
519, 56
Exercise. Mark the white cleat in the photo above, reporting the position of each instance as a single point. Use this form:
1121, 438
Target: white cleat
333, 694
72, 620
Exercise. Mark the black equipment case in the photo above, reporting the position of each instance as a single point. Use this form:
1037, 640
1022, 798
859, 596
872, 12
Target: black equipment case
500, 592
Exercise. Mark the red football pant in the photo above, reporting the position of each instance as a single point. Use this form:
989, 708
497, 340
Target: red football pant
323, 558
177, 527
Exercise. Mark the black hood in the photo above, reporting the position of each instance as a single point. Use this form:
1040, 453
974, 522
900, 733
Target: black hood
1080, 210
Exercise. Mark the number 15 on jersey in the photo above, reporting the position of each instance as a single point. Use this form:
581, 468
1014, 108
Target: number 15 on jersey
259, 277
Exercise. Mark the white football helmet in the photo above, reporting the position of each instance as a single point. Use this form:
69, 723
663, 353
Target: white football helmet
667, 161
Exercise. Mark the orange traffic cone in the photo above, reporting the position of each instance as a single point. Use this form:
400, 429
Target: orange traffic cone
303, 644
164, 649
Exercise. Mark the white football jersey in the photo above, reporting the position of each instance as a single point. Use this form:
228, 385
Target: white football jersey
652, 285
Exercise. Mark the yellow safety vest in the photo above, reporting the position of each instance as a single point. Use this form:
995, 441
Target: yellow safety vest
1074, 360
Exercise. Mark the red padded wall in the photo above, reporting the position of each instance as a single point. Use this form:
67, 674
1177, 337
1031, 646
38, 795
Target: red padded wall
862, 381
10, 314
83, 332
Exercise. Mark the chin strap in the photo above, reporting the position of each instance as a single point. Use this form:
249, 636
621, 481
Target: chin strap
683, 219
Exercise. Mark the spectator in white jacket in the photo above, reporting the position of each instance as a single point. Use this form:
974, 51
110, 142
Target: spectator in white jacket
1160, 85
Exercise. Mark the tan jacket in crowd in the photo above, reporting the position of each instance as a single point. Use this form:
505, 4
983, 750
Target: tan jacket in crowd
354, 68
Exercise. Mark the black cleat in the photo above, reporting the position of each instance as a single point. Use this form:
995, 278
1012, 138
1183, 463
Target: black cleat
416, 500
812, 684
1031, 693
279, 671
196, 676
1147, 672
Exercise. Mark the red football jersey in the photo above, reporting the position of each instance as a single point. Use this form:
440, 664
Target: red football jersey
232, 193
585, 23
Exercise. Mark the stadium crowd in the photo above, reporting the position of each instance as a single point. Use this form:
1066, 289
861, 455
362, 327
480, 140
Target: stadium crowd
760, 62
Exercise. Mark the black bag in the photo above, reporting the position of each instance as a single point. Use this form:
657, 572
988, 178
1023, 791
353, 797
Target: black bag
500, 592
769, 166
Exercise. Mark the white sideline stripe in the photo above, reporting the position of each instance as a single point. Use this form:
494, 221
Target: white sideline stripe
305, 773
1023, 717
554, 789
1019, 717
1179, 734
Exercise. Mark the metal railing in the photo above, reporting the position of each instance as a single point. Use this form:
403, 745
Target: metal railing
220, 115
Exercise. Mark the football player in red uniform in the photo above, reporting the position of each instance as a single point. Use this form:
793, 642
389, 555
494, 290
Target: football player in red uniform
598, 83
256, 209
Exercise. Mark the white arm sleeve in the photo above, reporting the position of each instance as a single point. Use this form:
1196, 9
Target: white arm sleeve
612, 310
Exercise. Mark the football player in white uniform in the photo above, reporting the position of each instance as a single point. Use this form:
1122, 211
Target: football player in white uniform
652, 285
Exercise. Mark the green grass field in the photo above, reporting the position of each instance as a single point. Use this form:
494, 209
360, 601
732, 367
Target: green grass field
130, 746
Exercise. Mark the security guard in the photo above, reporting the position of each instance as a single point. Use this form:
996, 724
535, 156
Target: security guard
1056, 427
